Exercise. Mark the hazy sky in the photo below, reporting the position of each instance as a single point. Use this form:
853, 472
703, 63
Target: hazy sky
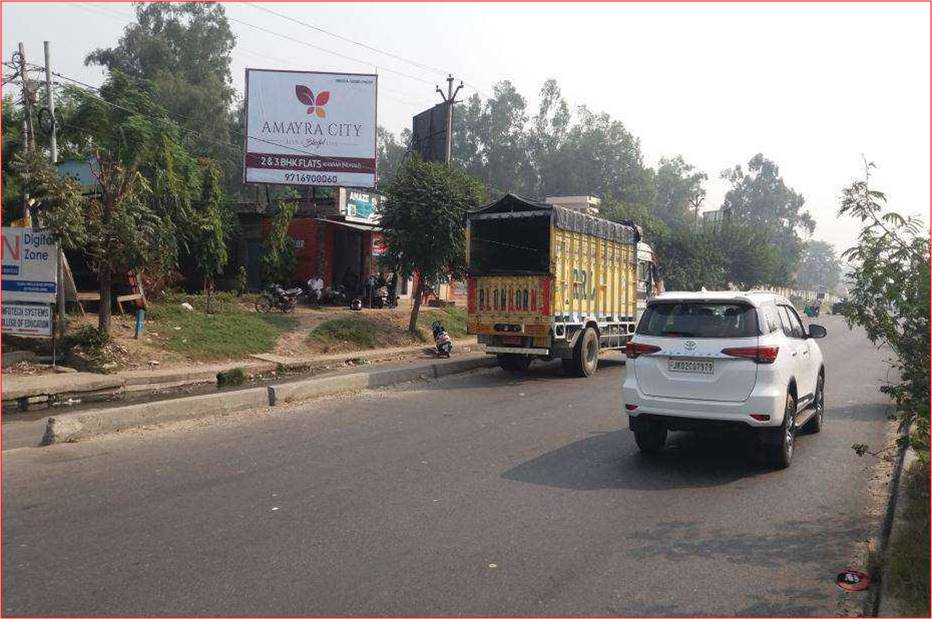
812, 86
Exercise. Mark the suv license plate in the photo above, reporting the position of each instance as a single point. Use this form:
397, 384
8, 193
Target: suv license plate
691, 367
511, 340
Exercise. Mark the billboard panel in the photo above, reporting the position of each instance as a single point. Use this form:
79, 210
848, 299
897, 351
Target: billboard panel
310, 128
429, 133
22, 319
30, 265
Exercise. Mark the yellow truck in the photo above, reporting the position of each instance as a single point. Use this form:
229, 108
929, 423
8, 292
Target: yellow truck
549, 282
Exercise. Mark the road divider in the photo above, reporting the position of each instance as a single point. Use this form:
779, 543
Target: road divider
70, 427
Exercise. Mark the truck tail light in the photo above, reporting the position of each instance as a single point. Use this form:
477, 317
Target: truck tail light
757, 354
634, 350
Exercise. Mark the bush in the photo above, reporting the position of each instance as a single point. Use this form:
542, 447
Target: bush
88, 338
229, 378
889, 298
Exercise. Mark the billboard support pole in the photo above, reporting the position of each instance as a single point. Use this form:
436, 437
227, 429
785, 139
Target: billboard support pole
450, 99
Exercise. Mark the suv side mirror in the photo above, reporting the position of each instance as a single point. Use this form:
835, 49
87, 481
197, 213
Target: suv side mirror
817, 331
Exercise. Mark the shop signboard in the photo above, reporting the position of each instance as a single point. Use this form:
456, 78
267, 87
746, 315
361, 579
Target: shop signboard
30, 265
310, 128
361, 206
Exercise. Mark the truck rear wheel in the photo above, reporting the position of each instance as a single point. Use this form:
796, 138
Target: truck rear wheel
514, 363
586, 353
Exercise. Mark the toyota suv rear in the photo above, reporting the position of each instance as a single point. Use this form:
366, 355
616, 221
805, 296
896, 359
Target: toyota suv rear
724, 360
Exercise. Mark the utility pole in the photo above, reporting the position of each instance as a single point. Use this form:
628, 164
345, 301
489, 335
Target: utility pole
50, 102
450, 99
53, 158
27, 100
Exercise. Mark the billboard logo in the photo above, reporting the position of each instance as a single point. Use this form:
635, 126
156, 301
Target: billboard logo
12, 252
315, 105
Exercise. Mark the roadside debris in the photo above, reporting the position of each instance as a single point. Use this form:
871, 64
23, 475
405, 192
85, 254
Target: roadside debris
853, 580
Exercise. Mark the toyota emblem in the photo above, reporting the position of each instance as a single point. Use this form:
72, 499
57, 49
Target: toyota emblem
689, 345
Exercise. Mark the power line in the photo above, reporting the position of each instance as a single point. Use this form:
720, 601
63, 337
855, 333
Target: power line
131, 19
415, 63
327, 51
348, 40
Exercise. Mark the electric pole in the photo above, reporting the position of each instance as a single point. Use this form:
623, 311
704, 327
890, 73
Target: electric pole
28, 96
450, 99
50, 102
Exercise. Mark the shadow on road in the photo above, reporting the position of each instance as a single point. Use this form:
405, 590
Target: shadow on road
609, 460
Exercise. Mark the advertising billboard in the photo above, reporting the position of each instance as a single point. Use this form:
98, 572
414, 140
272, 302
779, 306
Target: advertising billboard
30, 265
429, 133
22, 319
310, 128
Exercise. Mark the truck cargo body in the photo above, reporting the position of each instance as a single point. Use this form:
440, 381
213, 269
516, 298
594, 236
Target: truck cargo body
542, 275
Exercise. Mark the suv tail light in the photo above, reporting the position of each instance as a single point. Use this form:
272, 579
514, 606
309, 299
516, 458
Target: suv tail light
758, 354
634, 350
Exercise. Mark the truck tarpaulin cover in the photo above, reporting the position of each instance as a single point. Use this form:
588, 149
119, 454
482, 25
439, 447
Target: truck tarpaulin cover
514, 206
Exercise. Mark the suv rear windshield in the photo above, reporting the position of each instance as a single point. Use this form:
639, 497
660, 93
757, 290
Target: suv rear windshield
690, 319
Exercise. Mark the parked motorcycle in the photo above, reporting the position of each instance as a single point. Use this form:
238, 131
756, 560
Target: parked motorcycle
335, 295
277, 297
442, 339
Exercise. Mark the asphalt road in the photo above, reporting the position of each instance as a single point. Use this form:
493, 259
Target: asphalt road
482, 494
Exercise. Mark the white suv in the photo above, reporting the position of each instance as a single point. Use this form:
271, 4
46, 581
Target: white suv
720, 360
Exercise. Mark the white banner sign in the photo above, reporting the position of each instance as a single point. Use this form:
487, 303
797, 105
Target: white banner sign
30, 265
310, 128
21, 319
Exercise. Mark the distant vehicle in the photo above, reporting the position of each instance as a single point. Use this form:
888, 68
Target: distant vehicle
725, 360
839, 307
549, 282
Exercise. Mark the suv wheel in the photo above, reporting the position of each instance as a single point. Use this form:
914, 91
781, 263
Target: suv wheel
783, 439
586, 355
814, 425
650, 437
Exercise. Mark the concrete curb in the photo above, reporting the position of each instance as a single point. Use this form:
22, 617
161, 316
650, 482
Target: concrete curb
76, 426
71, 427
886, 605
875, 598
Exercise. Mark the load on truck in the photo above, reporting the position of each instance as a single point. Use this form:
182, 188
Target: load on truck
548, 282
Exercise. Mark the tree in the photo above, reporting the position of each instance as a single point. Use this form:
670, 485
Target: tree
548, 135
146, 183
182, 50
59, 205
691, 260
819, 267
390, 153
679, 191
423, 222
501, 128
209, 243
889, 298
761, 197
641, 214
750, 259
278, 259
